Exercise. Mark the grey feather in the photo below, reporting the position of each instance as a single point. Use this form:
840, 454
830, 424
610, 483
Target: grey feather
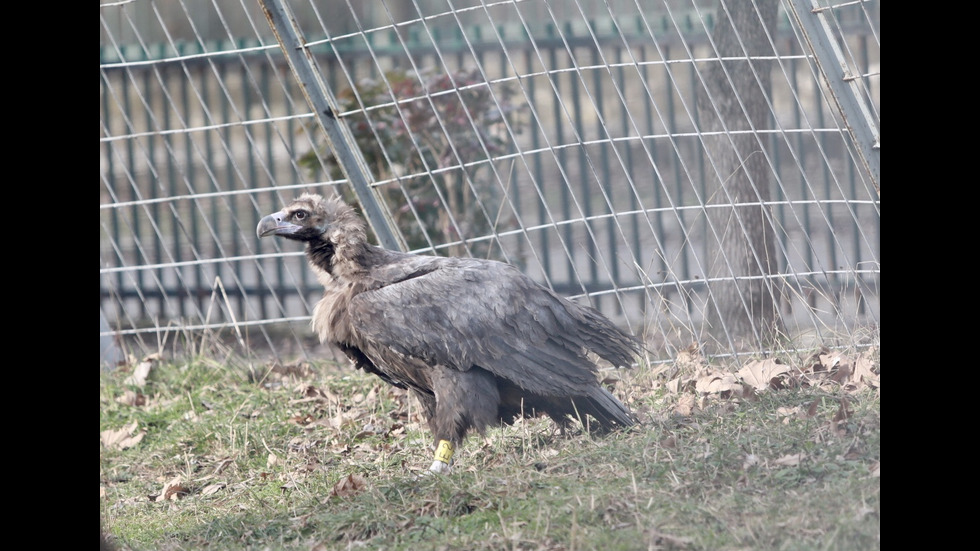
477, 341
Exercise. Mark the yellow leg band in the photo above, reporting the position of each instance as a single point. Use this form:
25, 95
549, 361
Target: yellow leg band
444, 451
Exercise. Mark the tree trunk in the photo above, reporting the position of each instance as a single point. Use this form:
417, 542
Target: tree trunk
743, 308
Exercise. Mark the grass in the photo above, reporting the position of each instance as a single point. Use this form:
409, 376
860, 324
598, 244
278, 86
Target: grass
318, 456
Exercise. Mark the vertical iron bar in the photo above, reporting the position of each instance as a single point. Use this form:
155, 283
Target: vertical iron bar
605, 179
844, 86
191, 293
324, 105
628, 154
111, 184
134, 211
174, 192
552, 31
536, 130
583, 167
657, 185
210, 160
686, 274
158, 245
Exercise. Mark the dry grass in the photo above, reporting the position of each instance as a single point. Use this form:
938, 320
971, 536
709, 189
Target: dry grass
239, 456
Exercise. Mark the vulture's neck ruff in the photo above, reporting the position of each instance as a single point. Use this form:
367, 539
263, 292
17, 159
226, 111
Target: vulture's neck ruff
321, 253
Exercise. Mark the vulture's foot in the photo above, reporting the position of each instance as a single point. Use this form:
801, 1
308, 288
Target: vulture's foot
439, 467
443, 461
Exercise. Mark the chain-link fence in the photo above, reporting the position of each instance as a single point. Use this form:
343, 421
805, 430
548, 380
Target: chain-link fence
702, 172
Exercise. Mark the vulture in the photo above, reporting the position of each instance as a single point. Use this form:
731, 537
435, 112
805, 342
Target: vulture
476, 341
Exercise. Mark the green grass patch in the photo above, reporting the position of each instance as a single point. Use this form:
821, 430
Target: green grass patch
209, 455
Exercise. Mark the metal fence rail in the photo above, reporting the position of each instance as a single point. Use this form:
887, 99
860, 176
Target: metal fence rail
601, 187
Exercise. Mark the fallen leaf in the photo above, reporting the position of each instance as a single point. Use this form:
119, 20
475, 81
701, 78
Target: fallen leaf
811, 410
666, 541
223, 464
829, 360
312, 393
690, 358
212, 488
790, 460
717, 382
863, 512
302, 419
843, 412
172, 491
784, 411
763, 374
123, 438
610, 380
348, 486
843, 375
142, 371
131, 398
685, 405
864, 371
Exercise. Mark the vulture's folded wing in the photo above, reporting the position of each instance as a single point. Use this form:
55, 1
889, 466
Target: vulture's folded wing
463, 313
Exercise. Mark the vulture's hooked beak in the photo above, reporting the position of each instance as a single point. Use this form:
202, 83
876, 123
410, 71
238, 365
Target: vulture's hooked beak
276, 224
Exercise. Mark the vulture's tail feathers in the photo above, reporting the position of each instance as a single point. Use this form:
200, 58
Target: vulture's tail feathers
606, 409
608, 342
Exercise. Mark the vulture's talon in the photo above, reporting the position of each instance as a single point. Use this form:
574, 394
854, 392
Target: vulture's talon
439, 467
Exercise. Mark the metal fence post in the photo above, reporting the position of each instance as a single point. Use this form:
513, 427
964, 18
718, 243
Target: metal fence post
324, 106
811, 19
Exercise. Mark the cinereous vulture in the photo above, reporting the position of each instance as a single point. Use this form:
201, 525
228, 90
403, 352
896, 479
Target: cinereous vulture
476, 341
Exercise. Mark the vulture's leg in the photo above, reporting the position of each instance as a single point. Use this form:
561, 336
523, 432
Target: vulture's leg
464, 400
428, 403
562, 421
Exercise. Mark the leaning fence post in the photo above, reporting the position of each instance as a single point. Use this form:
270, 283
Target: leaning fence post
843, 84
324, 106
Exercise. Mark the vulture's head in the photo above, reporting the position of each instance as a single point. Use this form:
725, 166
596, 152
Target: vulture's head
311, 218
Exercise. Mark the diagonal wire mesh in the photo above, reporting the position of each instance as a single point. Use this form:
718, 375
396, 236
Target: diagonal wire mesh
685, 166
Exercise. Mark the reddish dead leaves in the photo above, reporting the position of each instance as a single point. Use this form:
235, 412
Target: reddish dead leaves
696, 382
122, 438
172, 491
348, 486
827, 369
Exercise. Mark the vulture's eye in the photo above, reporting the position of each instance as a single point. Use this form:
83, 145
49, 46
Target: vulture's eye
299, 215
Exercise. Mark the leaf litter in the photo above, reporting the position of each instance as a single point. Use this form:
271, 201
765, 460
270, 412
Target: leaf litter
367, 426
